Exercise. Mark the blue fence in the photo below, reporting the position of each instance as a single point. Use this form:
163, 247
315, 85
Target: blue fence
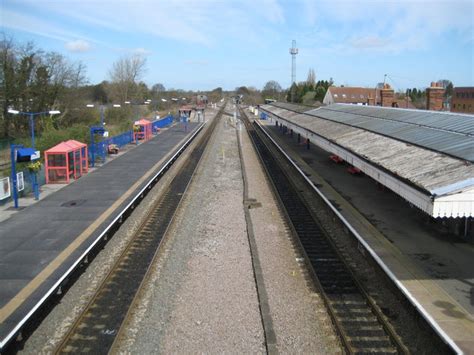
100, 148
162, 123
100, 151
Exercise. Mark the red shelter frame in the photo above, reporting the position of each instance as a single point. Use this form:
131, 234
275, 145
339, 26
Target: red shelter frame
144, 132
65, 160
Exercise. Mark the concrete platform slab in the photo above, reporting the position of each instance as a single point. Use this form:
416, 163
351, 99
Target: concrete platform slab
41, 242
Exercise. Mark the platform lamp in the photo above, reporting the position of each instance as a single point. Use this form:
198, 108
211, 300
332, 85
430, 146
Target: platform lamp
32, 116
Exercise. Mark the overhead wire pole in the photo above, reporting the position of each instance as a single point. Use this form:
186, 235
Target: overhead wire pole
293, 52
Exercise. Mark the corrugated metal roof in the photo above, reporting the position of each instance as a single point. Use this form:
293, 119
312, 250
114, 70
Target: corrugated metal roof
430, 170
448, 133
292, 107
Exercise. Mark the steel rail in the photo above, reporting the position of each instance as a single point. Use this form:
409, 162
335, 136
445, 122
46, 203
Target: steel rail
132, 266
103, 235
422, 311
336, 317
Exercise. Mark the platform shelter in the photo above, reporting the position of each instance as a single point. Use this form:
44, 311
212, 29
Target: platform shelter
142, 130
185, 111
64, 161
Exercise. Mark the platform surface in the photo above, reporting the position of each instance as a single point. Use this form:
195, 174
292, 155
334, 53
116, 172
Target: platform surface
436, 269
40, 243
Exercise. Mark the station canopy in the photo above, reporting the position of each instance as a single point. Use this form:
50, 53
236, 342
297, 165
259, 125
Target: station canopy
424, 156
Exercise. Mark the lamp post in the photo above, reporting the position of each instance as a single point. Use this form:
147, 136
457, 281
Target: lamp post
31, 116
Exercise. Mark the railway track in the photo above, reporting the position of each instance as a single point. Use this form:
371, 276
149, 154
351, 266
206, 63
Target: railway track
359, 322
96, 328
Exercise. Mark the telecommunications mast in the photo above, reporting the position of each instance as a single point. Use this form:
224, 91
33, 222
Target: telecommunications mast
293, 52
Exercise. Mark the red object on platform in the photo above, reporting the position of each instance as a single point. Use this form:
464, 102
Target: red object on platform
144, 130
336, 158
65, 160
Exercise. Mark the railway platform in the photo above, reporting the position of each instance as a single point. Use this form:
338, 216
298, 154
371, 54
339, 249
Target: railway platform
41, 245
434, 269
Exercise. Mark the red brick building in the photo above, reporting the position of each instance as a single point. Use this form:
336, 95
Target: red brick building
462, 100
435, 97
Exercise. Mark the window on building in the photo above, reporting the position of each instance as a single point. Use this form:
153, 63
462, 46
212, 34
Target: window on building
361, 96
336, 96
454, 106
344, 96
463, 106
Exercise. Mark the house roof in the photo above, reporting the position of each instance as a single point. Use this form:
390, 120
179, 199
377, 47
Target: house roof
349, 95
352, 94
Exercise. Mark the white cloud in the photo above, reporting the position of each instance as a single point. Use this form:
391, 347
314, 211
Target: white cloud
78, 46
203, 22
370, 42
390, 26
141, 51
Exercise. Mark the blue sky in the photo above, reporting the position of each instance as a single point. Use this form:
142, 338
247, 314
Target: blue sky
209, 43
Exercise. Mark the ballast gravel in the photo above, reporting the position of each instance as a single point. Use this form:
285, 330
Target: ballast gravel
300, 319
202, 297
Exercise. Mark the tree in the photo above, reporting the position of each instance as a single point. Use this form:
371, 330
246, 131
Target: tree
157, 88
32, 80
124, 75
99, 93
215, 95
272, 90
311, 79
242, 91
448, 87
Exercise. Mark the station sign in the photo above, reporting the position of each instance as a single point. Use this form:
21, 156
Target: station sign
27, 154
20, 181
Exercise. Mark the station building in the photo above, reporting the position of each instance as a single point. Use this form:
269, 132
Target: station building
426, 157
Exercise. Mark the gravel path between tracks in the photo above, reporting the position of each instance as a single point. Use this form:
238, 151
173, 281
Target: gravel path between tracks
300, 320
55, 325
201, 296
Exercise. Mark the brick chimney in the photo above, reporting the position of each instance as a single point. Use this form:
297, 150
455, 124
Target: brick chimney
387, 96
434, 97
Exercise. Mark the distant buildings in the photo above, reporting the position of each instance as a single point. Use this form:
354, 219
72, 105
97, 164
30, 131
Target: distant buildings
364, 96
462, 100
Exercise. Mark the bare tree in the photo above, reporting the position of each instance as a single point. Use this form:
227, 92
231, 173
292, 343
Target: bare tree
125, 73
311, 79
272, 90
